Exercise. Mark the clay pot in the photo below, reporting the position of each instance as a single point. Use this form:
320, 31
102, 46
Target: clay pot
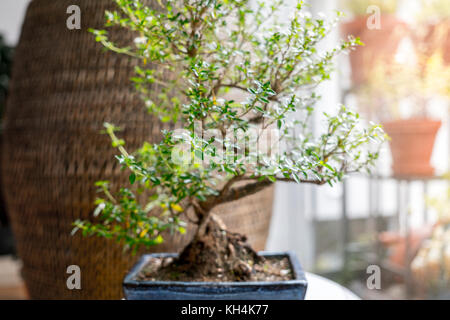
379, 44
412, 145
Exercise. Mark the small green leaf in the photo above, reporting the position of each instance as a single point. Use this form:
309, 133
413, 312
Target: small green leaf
132, 178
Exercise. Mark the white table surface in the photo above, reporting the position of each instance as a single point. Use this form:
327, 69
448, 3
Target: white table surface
320, 288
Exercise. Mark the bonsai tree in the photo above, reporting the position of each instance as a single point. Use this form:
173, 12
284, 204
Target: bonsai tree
199, 54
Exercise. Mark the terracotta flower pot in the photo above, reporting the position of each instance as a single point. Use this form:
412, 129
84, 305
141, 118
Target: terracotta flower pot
412, 145
379, 44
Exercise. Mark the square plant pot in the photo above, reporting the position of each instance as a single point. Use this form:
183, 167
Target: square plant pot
178, 290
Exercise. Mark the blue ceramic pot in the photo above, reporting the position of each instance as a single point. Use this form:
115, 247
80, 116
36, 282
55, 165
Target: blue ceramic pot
177, 290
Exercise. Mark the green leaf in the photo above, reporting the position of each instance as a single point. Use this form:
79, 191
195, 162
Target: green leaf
132, 178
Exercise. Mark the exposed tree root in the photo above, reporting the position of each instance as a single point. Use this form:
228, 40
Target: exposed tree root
214, 253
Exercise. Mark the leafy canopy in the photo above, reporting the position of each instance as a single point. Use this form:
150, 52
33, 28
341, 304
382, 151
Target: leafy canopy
227, 73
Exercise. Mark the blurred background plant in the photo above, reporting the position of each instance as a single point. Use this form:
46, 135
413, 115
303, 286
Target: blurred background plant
431, 266
434, 10
390, 85
442, 204
417, 73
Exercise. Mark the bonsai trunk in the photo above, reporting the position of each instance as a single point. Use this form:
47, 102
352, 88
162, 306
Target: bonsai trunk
215, 251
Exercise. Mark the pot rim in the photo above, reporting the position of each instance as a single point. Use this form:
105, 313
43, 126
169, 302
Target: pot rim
299, 275
412, 120
412, 126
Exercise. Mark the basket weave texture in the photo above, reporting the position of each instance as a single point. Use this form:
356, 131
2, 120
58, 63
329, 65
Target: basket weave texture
64, 87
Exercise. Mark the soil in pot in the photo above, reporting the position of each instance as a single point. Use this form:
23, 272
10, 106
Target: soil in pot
412, 145
267, 269
218, 255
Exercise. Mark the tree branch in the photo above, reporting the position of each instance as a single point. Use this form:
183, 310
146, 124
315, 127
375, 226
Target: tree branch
317, 182
244, 191
234, 86
252, 188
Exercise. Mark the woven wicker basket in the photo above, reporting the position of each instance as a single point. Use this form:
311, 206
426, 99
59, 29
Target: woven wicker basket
63, 88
